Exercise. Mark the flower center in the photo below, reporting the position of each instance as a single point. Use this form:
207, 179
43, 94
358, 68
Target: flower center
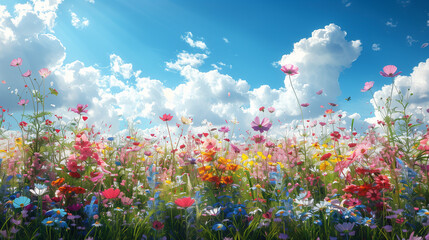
426, 213
49, 222
22, 204
58, 212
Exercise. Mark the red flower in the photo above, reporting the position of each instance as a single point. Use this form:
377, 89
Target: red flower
48, 122
111, 193
166, 117
23, 124
325, 157
335, 135
184, 202
267, 215
157, 225
74, 174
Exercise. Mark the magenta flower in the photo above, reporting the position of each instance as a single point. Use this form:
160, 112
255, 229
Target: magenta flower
166, 117
258, 139
305, 104
27, 73
80, 109
389, 71
319, 92
16, 62
224, 129
290, 69
44, 72
367, 87
23, 102
263, 126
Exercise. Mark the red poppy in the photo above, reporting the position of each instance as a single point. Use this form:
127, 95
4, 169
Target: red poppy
166, 117
74, 174
157, 225
111, 193
267, 215
184, 202
23, 124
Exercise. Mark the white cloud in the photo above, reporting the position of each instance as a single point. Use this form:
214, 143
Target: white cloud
91, 1
187, 59
390, 23
78, 22
347, 3
411, 40
427, 23
376, 47
225, 40
417, 82
195, 44
23, 35
117, 65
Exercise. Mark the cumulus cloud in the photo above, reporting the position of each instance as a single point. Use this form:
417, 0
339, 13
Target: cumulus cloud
417, 84
24, 35
91, 1
117, 65
78, 22
376, 47
195, 44
390, 23
347, 3
227, 41
185, 59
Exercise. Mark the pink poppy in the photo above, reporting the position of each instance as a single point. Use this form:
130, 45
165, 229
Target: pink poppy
166, 117
44, 72
184, 202
111, 193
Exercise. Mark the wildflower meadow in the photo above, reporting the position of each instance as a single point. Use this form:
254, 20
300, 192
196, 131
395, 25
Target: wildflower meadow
69, 180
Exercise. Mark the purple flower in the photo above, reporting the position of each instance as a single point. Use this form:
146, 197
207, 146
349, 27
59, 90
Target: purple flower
283, 236
345, 228
263, 126
305, 104
235, 148
80, 109
389, 71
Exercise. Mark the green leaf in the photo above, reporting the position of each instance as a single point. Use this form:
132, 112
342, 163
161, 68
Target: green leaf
53, 91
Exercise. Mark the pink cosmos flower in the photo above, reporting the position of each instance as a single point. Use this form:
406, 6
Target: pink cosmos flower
80, 109
44, 72
319, 92
271, 109
389, 71
27, 73
166, 117
290, 69
263, 126
23, 102
258, 139
16, 62
305, 104
367, 87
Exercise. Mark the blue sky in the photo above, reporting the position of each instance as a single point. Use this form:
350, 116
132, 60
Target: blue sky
148, 34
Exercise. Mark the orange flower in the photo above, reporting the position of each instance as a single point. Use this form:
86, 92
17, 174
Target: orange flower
208, 156
233, 167
203, 169
329, 111
58, 182
227, 180
206, 177
65, 189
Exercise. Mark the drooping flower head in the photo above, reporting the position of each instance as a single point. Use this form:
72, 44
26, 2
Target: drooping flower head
389, 71
367, 87
27, 73
16, 62
290, 69
305, 104
263, 126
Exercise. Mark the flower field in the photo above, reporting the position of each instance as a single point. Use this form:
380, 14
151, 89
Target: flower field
70, 181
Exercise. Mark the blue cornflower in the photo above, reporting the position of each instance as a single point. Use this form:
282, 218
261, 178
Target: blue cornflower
21, 202
48, 221
40, 186
110, 138
219, 227
423, 213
